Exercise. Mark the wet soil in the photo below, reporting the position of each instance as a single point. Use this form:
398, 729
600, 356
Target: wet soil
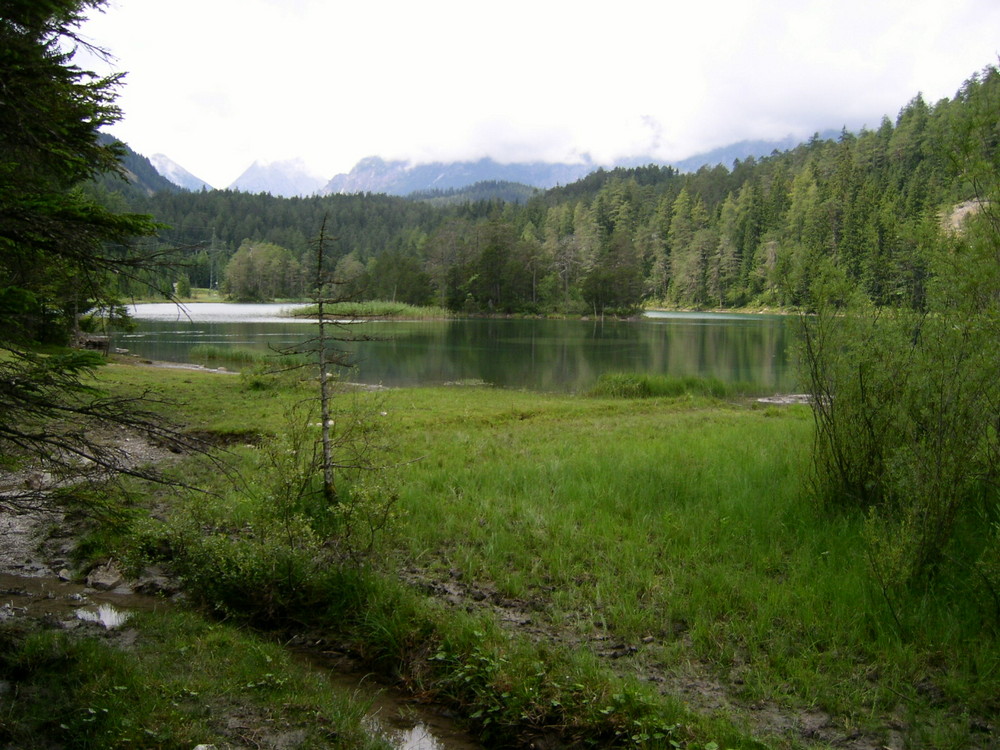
34, 582
37, 583
694, 683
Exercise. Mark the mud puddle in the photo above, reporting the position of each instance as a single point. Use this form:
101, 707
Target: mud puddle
406, 723
67, 602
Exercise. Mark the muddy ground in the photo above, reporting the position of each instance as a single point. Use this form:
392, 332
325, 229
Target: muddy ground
692, 681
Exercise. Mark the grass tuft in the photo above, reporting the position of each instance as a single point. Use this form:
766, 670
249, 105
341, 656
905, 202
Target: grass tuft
637, 385
183, 682
377, 309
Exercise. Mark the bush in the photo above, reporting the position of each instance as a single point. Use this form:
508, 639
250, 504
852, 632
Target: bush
906, 406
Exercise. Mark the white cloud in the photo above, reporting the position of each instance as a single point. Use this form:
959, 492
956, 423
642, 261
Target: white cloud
216, 85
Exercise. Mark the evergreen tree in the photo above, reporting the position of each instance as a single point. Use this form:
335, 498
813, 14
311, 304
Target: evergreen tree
57, 244
61, 252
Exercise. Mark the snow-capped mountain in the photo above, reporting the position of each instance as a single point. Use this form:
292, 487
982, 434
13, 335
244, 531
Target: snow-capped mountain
174, 172
375, 175
285, 178
398, 177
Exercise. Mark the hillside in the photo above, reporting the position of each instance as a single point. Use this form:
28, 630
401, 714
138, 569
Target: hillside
140, 177
491, 190
754, 234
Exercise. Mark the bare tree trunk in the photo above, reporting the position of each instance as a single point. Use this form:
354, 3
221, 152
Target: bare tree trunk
329, 488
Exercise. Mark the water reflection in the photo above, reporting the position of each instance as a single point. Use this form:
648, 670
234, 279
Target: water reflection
418, 737
406, 725
105, 614
213, 312
548, 355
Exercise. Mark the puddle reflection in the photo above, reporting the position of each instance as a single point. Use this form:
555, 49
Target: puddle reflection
105, 614
406, 725
419, 737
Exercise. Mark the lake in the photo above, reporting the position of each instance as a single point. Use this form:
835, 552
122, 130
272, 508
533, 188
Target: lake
544, 355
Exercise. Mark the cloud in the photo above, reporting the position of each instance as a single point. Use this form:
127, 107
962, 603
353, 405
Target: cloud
216, 85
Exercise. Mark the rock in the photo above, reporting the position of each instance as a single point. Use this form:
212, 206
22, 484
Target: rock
105, 577
154, 581
65, 575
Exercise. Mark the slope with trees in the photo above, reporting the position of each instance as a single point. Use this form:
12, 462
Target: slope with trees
902, 357
748, 236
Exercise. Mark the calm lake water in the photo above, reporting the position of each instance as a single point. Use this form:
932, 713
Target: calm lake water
545, 355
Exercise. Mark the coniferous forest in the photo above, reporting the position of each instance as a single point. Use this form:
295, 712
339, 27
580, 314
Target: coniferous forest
751, 235
654, 563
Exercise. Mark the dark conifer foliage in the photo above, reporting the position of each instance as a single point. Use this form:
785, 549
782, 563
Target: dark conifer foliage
63, 253
57, 243
750, 235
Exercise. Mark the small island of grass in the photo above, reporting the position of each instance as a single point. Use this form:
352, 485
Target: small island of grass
374, 309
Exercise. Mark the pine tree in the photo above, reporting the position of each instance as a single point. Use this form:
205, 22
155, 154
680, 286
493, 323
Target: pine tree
61, 252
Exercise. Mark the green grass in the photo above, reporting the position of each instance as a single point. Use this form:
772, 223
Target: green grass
679, 526
378, 309
214, 353
263, 359
184, 681
633, 385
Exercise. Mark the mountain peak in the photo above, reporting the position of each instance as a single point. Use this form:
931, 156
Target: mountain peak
288, 178
376, 175
174, 172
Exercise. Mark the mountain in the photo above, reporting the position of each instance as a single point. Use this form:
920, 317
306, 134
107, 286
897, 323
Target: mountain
140, 174
397, 177
375, 175
174, 172
742, 150
284, 178
438, 182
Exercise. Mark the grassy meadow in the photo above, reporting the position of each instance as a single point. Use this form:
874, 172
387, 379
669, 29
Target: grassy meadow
607, 570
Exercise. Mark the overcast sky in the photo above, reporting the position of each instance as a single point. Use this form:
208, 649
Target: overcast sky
218, 84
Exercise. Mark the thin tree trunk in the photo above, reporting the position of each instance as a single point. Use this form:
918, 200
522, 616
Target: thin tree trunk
329, 488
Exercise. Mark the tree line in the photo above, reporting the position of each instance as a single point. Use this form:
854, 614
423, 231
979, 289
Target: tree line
746, 236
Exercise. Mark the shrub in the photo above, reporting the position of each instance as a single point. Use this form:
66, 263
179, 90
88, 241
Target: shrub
906, 406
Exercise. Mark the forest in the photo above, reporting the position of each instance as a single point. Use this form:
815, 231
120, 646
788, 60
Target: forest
749, 236
654, 563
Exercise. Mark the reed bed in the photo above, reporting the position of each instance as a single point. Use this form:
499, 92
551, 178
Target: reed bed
376, 309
